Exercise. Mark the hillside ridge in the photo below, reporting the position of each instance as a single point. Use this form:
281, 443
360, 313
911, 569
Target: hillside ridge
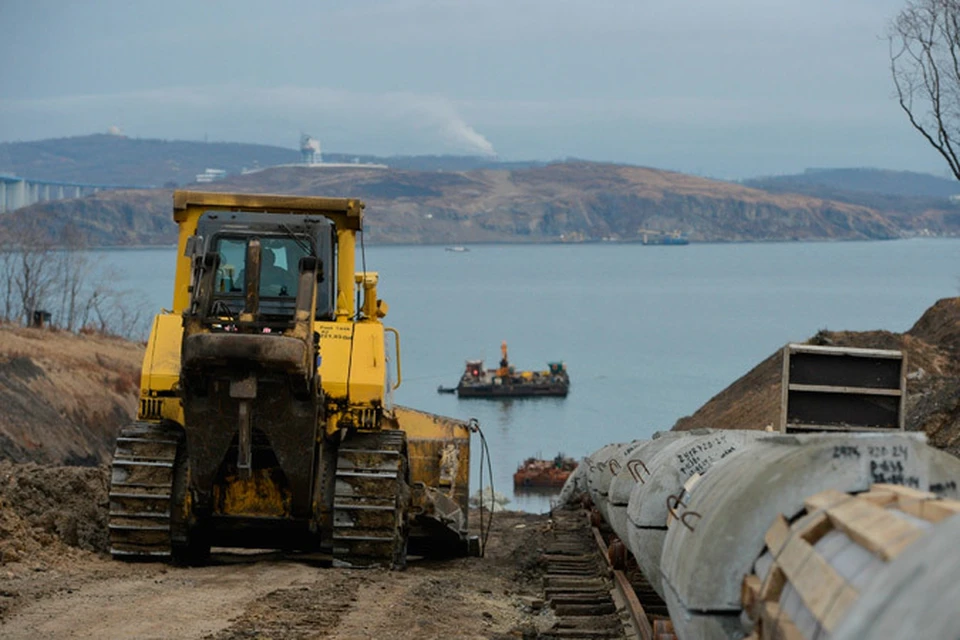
560, 202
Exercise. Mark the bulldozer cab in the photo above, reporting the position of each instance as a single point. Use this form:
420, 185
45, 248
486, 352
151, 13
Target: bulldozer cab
283, 242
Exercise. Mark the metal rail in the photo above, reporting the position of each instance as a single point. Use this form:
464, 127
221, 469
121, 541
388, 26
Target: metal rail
591, 597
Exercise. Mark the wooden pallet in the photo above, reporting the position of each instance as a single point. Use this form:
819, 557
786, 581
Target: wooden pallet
868, 519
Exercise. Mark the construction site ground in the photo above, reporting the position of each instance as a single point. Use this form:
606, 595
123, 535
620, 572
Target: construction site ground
64, 396
56, 581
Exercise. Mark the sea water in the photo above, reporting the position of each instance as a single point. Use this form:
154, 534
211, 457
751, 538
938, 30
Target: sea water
648, 333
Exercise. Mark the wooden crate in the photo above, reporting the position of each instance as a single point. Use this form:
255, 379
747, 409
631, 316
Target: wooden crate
842, 389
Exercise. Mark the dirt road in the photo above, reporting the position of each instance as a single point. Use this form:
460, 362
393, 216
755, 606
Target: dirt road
270, 596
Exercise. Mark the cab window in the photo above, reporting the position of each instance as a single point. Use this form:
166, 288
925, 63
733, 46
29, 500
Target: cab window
279, 262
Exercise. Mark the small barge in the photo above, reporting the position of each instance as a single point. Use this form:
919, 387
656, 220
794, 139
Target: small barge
537, 474
506, 382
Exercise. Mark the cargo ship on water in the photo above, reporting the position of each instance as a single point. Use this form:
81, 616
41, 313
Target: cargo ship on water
507, 382
652, 237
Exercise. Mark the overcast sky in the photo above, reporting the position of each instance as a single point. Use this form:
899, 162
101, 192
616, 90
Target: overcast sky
724, 88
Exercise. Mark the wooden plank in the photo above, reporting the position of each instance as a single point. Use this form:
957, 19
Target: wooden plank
825, 593
874, 528
937, 510
784, 392
750, 593
930, 510
825, 499
798, 426
879, 497
902, 417
776, 625
773, 584
863, 391
813, 527
844, 351
777, 535
903, 491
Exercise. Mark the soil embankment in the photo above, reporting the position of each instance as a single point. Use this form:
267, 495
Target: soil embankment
64, 395
932, 347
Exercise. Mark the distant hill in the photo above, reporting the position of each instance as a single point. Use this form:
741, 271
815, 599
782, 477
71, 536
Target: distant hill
570, 202
110, 159
918, 203
907, 184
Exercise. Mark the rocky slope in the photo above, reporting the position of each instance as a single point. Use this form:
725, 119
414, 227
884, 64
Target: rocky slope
576, 201
107, 219
932, 347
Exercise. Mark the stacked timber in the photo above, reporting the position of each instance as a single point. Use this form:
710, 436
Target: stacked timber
850, 559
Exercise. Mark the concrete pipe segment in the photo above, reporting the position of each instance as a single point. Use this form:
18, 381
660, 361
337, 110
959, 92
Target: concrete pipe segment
635, 470
575, 485
837, 570
596, 464
605, 474
668, 467
716, 534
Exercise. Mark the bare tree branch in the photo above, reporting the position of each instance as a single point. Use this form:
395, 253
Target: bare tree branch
924, 44
66, 281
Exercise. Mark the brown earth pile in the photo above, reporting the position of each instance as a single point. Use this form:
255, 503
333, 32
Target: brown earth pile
53, 520
64, 396
44, 506
932, 348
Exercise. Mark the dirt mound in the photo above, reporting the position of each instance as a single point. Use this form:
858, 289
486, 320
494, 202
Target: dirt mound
939, 325
64, 396
45, 509
932, 348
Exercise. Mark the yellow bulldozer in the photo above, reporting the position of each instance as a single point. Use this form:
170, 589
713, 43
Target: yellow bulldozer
266, 417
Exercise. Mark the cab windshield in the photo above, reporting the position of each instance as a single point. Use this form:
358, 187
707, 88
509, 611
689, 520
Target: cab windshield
279, 263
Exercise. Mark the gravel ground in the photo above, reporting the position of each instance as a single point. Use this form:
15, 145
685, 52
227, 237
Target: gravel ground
56, 580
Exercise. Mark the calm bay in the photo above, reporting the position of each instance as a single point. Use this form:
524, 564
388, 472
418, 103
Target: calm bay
648, 333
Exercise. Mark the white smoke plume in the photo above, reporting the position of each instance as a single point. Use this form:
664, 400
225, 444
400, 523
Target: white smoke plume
460, 132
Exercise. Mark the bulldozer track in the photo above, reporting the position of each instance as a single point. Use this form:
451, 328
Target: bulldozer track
371, 486
589, 597
141, 492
